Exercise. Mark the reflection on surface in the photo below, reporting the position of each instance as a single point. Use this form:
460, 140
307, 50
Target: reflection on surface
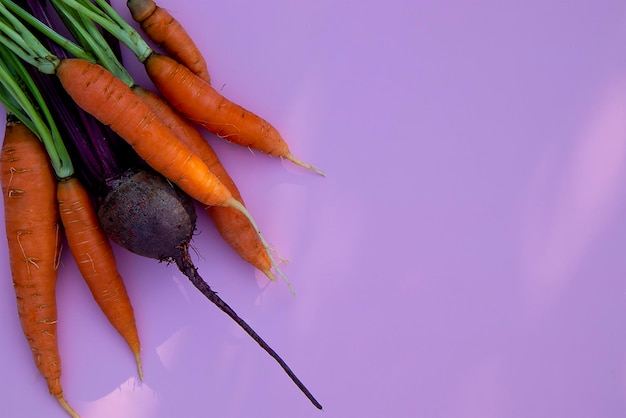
570, 203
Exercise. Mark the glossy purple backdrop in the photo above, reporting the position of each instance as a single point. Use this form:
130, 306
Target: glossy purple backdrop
464, 257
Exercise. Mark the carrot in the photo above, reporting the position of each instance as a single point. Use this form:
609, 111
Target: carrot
31, 218
95, 260
113, 103
169, 34
203, 104
232, 225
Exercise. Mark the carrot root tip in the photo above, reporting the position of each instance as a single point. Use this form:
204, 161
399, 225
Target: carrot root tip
285, 279
296, 161
234, 203
66, 406
270, 275
139, 366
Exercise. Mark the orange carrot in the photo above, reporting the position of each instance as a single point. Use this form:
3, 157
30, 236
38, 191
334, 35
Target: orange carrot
113, 103
232, 225
31, 218
95, 260
169, 34
203, 104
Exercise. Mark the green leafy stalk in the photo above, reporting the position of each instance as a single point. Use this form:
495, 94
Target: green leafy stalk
88, 35
112, 22
22, 97
16, 37
60, 40
13, 106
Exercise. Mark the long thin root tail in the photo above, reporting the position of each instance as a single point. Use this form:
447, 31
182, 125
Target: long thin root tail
185, 265
296, 161
139, 366
66, 406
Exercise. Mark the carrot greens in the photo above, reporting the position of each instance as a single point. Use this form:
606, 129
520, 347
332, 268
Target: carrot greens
28, 104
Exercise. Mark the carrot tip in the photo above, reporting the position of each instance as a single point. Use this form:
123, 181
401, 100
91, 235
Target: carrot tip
270, 275
294, 160
67, 407
285, 279
139, 366
234, 203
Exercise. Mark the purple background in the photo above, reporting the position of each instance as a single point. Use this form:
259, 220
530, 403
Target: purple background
464, 256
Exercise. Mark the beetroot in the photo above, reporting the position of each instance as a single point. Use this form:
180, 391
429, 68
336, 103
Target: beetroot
149, 216
145, 214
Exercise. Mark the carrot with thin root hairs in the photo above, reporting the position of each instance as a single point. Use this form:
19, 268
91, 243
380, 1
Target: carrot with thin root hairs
164, 30
95, 260
232, 225
31, 219
108, 99
113, 103
203, 104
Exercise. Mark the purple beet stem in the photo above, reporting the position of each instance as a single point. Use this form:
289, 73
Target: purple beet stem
94, 143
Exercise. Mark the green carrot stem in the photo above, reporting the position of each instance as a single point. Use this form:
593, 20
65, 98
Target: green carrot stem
19, 33
65, 168
15, 48
16, 37
112, 23
14, 108
40, 128
18, 83
86, 32
45, 30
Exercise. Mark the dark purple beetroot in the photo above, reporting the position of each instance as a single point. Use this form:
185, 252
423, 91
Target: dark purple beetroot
145, 214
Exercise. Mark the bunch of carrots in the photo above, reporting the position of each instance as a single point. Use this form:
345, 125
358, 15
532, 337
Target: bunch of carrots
43, 174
